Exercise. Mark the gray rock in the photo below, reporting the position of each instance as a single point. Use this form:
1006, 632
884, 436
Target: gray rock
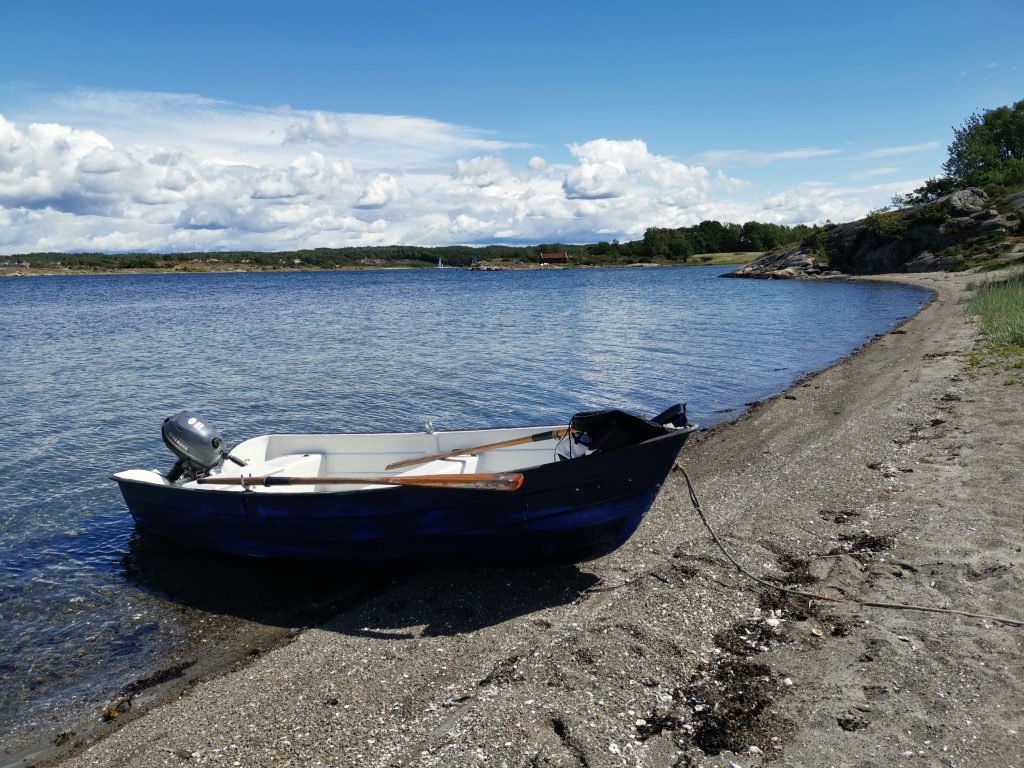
1016, 201
785, 263
958, 225
984, 215
964, 202
1010, 257
998, 224
928, 262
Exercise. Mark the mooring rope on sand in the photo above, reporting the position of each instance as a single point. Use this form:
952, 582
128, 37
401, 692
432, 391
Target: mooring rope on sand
829, 598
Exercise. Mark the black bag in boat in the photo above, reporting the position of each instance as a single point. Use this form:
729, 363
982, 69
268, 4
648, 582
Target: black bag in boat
608, 430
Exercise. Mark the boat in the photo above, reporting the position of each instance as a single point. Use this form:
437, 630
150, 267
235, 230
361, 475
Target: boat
564, 493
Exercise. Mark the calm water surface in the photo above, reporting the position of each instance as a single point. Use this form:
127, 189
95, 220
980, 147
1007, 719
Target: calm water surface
90, 366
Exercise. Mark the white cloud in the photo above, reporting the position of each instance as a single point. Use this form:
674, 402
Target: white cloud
731, 185
209, 215
816, 202
102, 160
135, 171
749, 157
274, 187
317, 127
597, 181
632, 153
379, 192
226, 132
609, 169
904, 150
482, 171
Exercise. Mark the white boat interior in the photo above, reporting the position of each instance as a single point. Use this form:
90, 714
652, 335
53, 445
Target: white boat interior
365, 455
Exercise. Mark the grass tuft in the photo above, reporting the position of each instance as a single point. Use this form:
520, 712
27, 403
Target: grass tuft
999, 305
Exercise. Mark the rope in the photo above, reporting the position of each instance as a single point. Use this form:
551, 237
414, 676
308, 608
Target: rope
829, 598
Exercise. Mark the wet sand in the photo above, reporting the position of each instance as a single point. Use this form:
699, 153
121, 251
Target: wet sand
893, 476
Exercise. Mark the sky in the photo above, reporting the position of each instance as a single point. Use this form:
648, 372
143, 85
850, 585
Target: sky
275, 126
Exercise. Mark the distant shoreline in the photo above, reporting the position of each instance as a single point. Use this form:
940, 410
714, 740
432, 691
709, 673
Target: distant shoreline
236, 268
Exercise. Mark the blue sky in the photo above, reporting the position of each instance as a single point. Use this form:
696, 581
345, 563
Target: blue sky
262, 125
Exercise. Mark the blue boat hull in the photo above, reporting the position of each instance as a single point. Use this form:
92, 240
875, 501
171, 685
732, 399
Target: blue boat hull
566, 511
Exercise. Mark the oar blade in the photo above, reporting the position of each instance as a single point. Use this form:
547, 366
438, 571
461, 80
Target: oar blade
498, 481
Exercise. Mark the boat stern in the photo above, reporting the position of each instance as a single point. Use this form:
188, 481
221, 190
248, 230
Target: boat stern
149, 476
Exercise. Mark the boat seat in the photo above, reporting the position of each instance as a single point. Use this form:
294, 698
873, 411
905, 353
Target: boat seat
297, 464
453, 465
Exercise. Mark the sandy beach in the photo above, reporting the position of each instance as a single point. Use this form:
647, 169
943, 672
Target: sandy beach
893, 476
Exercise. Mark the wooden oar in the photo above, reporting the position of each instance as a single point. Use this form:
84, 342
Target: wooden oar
551, 434
493, 481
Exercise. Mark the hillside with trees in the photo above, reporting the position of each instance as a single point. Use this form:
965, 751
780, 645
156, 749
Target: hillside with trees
987, 151
972, 216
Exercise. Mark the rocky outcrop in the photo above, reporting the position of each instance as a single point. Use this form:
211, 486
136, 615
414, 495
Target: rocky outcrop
964, 202
948, 233
787, 263
1015, 202
980, 222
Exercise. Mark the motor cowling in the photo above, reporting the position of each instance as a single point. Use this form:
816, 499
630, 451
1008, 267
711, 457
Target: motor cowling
198, 446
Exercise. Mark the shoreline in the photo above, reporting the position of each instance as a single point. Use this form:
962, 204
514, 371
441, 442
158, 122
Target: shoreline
229, 268
558, 666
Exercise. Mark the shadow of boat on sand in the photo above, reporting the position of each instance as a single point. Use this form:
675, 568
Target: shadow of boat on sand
385, 602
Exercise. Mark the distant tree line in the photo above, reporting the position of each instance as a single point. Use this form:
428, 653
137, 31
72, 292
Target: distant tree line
714, 237
986, 151
660, 245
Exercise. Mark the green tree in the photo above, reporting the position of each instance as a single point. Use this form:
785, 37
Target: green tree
667, 244
988, 148
933, 189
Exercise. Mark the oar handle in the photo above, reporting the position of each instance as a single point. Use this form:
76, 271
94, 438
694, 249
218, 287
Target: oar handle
487, 481
551, 434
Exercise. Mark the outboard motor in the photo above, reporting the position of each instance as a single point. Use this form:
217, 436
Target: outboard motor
198, 446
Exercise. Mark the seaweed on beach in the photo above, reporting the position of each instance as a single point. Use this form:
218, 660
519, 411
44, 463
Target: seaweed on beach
729, 702
745, 638
787, 605
733, 707
863, 545
157, 678
796, 570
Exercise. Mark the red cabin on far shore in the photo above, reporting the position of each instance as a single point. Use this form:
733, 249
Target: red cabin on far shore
554, 258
